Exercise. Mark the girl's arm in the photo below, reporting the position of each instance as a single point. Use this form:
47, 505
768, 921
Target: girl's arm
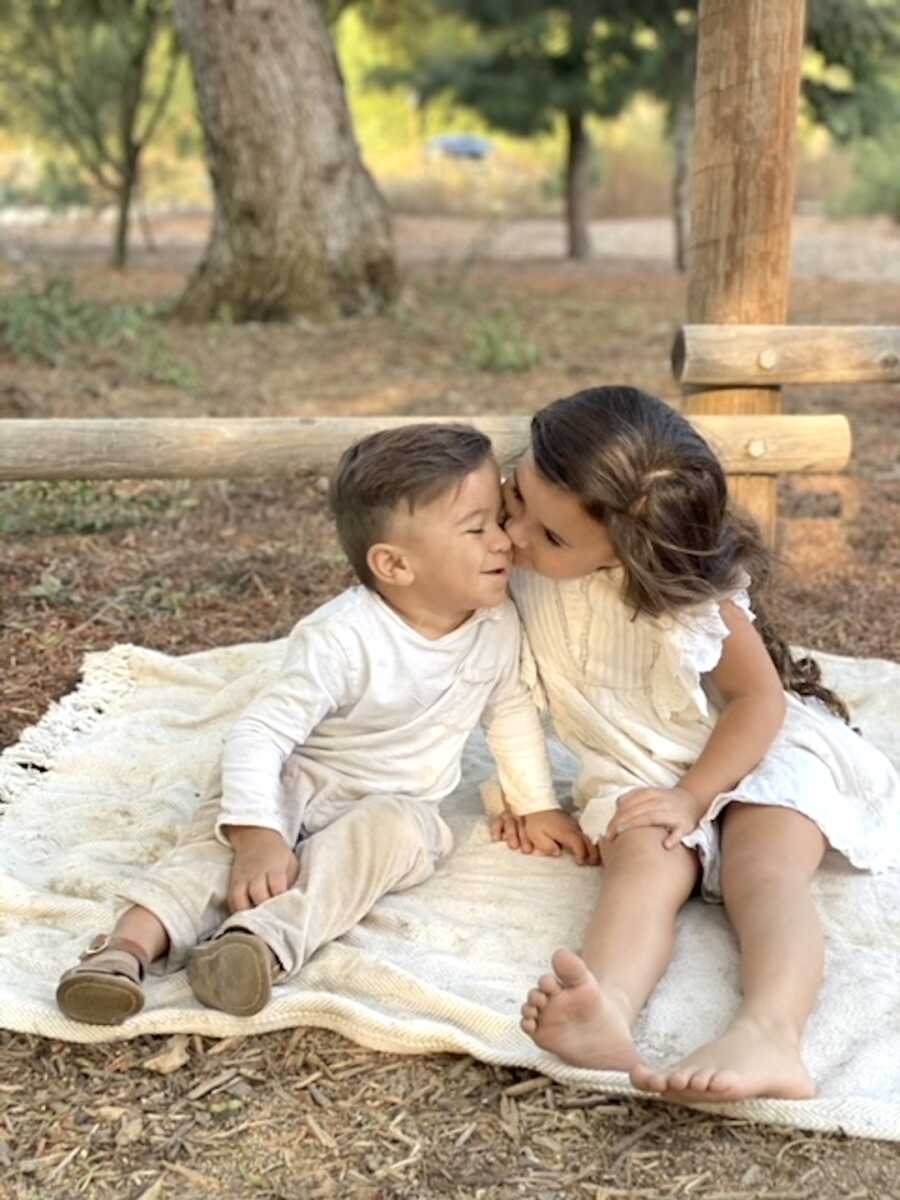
752, 714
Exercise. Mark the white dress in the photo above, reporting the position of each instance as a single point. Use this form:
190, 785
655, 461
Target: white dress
627, 695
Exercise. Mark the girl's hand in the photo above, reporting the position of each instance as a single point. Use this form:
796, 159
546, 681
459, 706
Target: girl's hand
675, 809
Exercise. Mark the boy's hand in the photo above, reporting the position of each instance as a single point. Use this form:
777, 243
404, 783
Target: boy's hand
264, 866
548, 832
675, 809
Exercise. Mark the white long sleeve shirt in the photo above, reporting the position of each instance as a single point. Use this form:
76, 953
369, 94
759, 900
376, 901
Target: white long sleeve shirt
366, 705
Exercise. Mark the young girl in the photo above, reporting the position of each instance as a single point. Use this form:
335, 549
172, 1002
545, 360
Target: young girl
688, 715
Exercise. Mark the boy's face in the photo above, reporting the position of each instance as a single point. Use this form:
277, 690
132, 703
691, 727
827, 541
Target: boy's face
456, 547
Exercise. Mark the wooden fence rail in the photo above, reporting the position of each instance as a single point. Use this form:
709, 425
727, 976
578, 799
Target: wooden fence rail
730, 356
206, 448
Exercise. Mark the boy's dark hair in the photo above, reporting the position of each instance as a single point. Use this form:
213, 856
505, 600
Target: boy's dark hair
411, 465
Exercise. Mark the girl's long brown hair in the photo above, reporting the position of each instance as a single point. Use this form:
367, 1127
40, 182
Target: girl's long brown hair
644, 472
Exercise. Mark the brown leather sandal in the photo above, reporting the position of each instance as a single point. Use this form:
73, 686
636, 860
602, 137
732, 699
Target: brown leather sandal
105, 987
234, 973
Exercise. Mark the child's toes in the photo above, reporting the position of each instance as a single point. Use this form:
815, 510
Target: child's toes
529, 1012
528, 1025
536, 998
723, 1081
549, 985
700, 1081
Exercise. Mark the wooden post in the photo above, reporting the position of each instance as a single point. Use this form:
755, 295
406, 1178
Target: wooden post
742, 190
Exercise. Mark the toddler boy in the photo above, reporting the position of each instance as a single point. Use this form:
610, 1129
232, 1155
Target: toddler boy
331, 778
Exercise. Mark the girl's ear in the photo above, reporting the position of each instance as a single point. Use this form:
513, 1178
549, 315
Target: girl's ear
390, 565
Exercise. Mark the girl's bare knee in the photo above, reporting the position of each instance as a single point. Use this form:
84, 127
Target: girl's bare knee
642, 851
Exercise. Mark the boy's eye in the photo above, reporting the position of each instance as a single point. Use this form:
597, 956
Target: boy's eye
475, 531
552, 538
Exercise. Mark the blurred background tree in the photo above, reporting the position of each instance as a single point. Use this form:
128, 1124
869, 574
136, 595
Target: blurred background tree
93, 79
581, 104
529, 62
299, 226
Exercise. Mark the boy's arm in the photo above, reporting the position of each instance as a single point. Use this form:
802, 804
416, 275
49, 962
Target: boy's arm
515, 735
516, 738
312, 683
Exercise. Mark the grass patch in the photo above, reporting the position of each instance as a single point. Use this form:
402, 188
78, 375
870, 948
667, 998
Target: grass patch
84, 506
48, 322
497, 343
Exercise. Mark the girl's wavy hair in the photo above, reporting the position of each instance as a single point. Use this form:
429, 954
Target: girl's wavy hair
637, 466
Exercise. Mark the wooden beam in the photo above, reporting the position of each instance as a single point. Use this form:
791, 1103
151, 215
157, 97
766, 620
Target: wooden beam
742, 189
763, 355
206, 448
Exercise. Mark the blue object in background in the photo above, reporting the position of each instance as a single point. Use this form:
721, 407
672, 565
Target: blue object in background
460, 145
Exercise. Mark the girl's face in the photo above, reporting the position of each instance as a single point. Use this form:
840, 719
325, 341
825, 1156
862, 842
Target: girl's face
550, 531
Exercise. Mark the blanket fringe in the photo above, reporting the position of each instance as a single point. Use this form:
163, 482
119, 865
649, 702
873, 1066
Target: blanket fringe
106, 676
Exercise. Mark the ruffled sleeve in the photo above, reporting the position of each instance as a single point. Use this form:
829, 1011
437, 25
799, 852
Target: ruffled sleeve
689, 647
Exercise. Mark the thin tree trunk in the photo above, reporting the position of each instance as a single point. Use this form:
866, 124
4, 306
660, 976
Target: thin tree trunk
124, 197
578, 188
299, 227
682, 119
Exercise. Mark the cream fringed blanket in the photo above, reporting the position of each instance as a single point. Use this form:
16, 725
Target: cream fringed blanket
98, 789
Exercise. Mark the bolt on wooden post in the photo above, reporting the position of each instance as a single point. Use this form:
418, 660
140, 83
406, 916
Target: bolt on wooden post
742, 189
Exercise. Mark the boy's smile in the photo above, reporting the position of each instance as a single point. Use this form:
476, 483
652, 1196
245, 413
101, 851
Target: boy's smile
457, 552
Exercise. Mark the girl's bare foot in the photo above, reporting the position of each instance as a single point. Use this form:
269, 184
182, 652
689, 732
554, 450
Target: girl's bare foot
570, 1015
748, 1060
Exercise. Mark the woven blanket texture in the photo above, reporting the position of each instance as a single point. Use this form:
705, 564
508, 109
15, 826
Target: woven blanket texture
97, 791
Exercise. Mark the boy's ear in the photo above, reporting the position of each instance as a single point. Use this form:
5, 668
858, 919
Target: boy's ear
390, 565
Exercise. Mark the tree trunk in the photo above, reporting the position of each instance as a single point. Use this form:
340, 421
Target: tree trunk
682, 120
124, 196
299, 227
578, 188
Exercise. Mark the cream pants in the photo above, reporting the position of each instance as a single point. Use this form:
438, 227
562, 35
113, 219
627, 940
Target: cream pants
350, 852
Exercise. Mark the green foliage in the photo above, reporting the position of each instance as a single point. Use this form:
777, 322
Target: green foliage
524, 62
497, 343
858, 45
50, 323
82, 506
877, 186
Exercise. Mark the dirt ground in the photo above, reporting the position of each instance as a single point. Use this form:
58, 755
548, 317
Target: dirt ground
181, 567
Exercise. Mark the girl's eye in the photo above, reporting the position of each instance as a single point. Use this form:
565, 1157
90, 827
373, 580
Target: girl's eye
474, 531
552, 538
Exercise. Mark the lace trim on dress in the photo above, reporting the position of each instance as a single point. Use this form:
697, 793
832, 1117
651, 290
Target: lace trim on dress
691, 646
